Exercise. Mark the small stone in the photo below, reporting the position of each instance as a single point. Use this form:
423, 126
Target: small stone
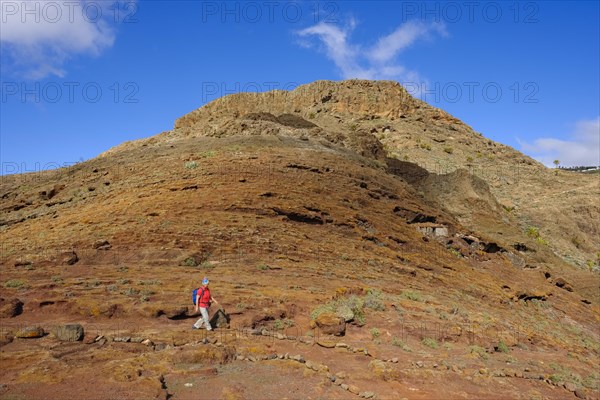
69, 332
327, 345
281, 356
570, 386
188, 384
30, 332
252, 358
137, 340
308, 364
160, 346
240, 357
344, 386
367, 395
70, 258
332, 378
102, 341
89, 339
435, 365
455, 368
298, 358
580, 394
341, 345
279, 336
353, 389
395, 360
272, 357
483, 371
10, 308
102, 245
419, 364
98, 338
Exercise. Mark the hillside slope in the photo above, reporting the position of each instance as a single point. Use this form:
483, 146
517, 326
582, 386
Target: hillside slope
291, 205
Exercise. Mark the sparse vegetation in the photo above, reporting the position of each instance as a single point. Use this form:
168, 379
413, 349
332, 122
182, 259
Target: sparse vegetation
280, 324
480, 351
449, 150
14, 284
502, 347
455, 252
191, 165
469, 159
425, 146
375, 333
374, 300
343, 306
430, 342
411, 295
399, 343
534, 233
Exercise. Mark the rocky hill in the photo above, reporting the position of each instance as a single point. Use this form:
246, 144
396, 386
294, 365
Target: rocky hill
361, 242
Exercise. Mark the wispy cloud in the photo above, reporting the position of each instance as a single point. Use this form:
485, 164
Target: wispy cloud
582, 148
378, 61
39, 37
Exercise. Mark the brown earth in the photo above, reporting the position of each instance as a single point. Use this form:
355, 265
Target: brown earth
296, 204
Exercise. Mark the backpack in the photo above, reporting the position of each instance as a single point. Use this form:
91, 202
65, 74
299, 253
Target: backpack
195, 294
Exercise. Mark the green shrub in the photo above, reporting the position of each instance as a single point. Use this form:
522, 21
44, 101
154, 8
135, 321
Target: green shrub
410, 295
480, 351
354, 303
399, 343
191, 165
449, 150
131, 292
375, 333
14, 283
502, 347
374, 300
430, 342
280, 324
190, 262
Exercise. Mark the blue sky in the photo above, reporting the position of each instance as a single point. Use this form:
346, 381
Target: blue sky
78, 78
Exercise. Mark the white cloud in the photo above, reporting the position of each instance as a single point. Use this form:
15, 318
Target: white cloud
380, 61
39, 37
582, 148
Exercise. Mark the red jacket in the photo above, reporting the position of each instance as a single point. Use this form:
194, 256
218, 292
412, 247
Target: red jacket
204, 294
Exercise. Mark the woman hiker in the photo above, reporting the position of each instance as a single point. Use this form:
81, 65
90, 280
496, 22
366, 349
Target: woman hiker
203, 300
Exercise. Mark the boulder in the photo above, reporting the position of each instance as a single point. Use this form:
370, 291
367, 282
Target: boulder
69, 332
30, 332
10, 308
220, 319
102, 245
331, 324
70, 258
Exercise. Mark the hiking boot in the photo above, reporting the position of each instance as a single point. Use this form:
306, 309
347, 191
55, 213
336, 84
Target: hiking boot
195, 327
